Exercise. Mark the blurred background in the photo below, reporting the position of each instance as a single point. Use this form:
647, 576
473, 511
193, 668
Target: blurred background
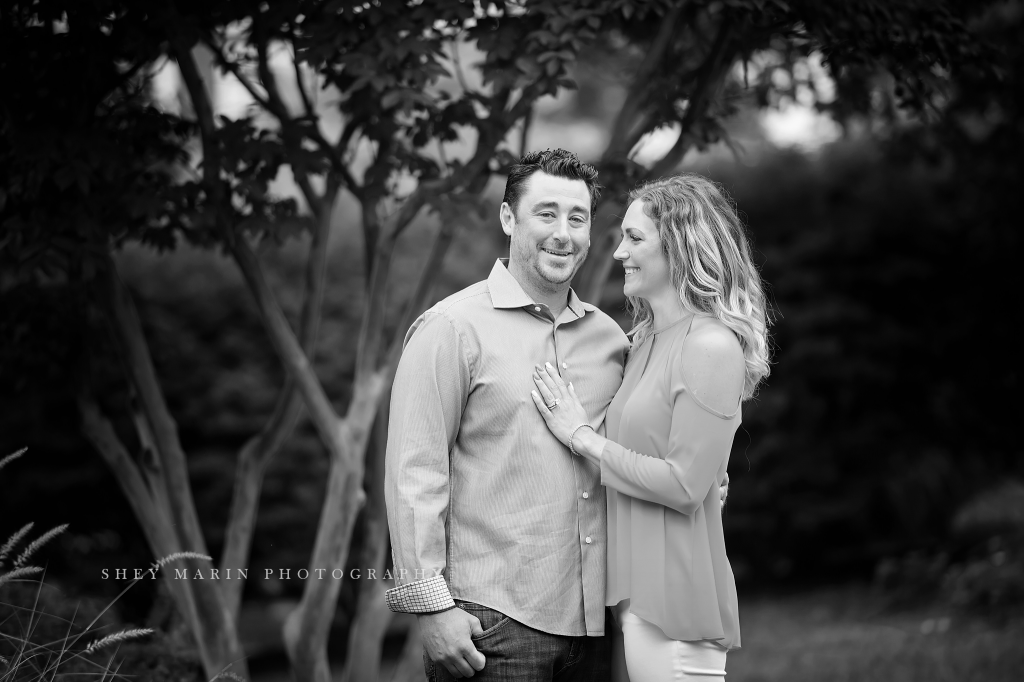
876, 508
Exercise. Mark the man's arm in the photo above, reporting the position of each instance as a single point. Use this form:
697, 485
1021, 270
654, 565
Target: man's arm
429, 394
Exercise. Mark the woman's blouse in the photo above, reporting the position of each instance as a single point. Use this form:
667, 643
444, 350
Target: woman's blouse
665, 460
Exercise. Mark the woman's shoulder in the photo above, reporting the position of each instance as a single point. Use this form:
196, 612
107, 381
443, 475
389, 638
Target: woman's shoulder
711, 340
711, 363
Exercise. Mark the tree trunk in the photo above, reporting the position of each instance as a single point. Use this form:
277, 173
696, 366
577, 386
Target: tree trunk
307, 627
171, 522
372, 617
257, 452
410, 663
604, 237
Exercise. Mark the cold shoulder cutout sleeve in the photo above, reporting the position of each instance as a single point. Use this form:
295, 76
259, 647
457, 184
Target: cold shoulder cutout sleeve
700, 437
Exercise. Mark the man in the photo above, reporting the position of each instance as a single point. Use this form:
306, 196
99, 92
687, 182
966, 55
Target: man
484, 504
497, 532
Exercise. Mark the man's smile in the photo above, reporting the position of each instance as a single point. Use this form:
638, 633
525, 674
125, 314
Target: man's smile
559, 254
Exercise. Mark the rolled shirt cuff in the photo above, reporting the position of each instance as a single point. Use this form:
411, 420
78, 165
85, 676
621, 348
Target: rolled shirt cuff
429, 595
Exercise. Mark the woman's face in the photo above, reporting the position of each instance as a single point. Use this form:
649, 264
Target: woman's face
640, 252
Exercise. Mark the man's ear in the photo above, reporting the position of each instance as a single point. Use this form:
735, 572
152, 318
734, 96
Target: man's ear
507, 217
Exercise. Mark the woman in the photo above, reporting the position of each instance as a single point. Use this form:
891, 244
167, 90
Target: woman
699, 347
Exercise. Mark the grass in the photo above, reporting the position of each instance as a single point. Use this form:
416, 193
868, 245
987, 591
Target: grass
849, 635
42, 636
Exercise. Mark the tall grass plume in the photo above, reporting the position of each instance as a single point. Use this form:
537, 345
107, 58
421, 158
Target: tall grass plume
36, 651
123, 635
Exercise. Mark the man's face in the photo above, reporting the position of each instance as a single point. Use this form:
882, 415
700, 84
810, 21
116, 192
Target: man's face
550, 230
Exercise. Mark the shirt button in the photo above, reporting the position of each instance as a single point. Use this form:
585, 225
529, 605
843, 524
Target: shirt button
586, 495
537, 308
565, 365
588, 539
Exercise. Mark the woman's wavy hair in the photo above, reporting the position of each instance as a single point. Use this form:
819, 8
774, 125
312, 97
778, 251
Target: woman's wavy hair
709, 263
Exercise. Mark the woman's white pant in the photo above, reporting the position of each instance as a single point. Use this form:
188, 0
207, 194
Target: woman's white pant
653, 657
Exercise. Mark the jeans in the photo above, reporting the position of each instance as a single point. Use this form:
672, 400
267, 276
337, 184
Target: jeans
517, 653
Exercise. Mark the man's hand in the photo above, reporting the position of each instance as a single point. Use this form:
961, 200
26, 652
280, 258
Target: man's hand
723, 490
446, 639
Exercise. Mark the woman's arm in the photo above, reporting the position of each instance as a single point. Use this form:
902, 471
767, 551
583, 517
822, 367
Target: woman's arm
706, 383
698, 445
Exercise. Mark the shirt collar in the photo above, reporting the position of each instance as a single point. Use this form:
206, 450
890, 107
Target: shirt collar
506, 292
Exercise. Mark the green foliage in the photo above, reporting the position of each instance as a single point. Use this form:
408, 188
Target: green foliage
978, 572
86, 162
877, 419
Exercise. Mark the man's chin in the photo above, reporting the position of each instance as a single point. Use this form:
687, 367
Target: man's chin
559, 275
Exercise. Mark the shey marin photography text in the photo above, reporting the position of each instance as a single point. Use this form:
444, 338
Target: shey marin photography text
270, 573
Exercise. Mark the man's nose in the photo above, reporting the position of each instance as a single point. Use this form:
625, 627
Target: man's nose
562, 229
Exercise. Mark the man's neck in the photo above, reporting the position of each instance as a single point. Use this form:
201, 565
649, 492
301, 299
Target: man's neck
555, 298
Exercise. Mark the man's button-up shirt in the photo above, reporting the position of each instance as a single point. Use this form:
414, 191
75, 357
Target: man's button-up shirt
478, 490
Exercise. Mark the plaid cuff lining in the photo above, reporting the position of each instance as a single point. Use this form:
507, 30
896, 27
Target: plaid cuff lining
422, 596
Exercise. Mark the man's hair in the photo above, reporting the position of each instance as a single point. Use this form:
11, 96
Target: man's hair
556, 162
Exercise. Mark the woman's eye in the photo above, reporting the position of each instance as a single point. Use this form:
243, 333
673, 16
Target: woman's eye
633, 238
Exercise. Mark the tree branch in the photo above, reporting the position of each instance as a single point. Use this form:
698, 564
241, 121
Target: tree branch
371, 615
486, 144
149, 459
410, 661
257, 452
204, 115
624, 121
306, 627
710, 78
710, 74
275, 107
287, 347
277, 104
98, 430
152, 517
317, 204
460, 76
280, 334
235, 70
307, 105
592, 279
371, 330
423, 289
370, 205
527, 120
161, 423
